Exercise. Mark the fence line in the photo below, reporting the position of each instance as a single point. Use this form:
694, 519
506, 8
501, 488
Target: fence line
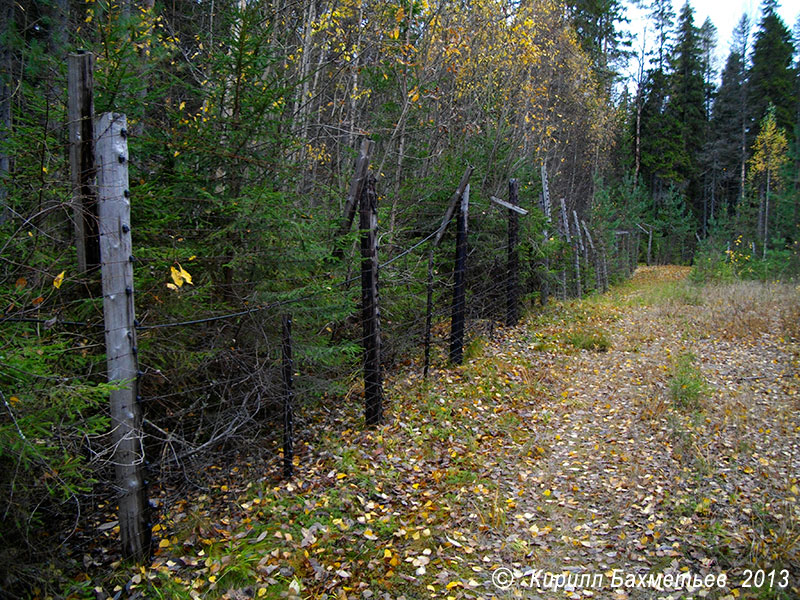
181, 424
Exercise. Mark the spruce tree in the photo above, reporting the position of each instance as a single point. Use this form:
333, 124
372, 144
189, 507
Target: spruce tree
663, 16
596, 22
724, 148
686, 105
771, 77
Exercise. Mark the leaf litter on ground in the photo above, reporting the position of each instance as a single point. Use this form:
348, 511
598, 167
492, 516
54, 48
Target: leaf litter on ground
538, 454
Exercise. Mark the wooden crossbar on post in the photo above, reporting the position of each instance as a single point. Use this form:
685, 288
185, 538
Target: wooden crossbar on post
114, 212
287, 364
80, 115
460, 287
370, 311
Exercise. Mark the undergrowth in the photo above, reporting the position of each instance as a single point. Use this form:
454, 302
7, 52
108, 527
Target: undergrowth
687, 386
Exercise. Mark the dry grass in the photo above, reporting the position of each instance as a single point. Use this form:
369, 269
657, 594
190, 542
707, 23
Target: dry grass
751, 307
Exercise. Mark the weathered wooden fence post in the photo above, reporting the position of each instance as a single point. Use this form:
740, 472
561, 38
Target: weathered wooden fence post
512, 292
426, 343
512, 274
545, 288
568, 237
577, 246
288, 397
598, 271
604, 263
373, 384
460, 287
80, 113
354, 194
114, 212
649, 232
448, 215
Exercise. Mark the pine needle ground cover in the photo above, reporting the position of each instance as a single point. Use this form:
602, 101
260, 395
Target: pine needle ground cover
537, 455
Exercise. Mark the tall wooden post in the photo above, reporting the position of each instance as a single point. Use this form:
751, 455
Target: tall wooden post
370, 315
565, 225
80, 112
512, 292
114, 211
545, 287
577, 248
288, 398
604, 262
448, 215
460, 288
428, 316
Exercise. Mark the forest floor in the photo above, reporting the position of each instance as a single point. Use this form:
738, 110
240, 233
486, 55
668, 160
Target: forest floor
644, 439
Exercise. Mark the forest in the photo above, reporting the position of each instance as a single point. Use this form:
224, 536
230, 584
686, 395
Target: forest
253, 131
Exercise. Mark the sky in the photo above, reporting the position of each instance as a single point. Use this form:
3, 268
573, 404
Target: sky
724, 14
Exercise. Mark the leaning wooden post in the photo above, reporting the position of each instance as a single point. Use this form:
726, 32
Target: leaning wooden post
80, 113
460, 288
114, 212
604, 262
448, 215
288, 398
370, 319
512, 290
354, 194
597, 267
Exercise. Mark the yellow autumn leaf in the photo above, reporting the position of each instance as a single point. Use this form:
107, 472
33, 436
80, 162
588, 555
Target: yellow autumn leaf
59, 279
181, 105
164, 543
172, 286
387, 553
176, 276
186, 277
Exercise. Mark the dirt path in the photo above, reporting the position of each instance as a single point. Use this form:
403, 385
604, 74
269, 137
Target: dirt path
637, 476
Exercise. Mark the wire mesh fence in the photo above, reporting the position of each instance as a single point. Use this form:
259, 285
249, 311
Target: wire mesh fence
212, 285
